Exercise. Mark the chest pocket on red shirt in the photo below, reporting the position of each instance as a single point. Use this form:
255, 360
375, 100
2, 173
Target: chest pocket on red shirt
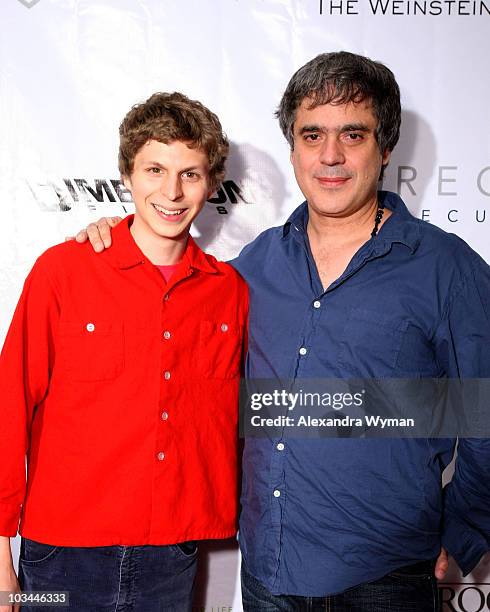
90, 350
220, 346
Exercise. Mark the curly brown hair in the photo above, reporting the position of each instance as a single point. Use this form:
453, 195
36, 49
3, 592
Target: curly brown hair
167, 117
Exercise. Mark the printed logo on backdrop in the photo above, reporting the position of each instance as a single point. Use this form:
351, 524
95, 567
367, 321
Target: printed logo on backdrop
64, 194
61, 195
465, 596
28, 3
430, 8
408, 182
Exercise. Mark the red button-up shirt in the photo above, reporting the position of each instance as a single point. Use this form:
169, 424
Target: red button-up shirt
123, 392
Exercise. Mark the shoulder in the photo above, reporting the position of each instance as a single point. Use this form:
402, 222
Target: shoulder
229, 288
65, 252
429, 241
50, 269
264, 240
226, 272
65, 260
452, 266
258, 250
452, 250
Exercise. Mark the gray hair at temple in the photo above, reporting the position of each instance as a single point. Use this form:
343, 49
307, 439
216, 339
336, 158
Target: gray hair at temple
340, 78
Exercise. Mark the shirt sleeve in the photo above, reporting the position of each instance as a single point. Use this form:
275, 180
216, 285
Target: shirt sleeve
25, 364
463, 346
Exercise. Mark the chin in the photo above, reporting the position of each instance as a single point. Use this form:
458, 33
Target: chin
332, 208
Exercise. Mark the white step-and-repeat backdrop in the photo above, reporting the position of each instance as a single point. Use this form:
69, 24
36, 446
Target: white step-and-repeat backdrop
70, 70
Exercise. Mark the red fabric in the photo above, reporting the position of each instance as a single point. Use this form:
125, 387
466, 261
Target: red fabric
167, 271
83, 379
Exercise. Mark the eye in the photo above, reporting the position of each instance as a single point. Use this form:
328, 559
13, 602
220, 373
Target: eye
190, 175
154, 170
311, 137
353, 136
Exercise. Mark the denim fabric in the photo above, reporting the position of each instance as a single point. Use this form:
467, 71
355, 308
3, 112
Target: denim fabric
111, 578
411, 588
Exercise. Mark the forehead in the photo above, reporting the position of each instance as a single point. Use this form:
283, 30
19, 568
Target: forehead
176, 152
334, 115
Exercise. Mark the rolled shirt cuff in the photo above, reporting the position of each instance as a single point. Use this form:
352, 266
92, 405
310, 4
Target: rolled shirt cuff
464, 543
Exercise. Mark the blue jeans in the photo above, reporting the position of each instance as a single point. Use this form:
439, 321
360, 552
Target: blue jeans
409, 589
111, 578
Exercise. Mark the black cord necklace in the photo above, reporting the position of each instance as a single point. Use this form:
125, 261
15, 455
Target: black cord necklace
377, 220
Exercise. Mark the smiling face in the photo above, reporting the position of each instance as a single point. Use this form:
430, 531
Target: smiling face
336, 158
169, 184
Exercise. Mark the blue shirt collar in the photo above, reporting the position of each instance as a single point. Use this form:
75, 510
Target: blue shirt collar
401, 227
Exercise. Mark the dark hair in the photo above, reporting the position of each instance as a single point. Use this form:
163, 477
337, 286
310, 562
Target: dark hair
167, 117
339, 78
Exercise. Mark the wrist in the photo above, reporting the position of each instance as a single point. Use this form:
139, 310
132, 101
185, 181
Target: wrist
5, 552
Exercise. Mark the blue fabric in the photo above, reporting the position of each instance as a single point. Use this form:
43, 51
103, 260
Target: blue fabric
413, 302
409, 589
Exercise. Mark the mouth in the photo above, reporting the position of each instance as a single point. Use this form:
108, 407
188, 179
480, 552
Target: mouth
168, 214
332, 182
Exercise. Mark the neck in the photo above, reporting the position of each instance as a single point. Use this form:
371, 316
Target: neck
160, 250
352, 227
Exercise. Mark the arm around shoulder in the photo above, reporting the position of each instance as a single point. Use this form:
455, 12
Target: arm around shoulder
99, 233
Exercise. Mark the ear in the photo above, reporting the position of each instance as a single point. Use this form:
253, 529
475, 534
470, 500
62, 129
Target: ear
126, 182
386, 157
212, 188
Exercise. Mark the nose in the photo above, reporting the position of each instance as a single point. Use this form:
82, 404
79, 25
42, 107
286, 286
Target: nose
171, 187
332, 153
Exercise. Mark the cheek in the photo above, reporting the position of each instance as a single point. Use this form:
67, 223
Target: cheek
139, 195
144, 189
375, 172
372, 166
300, 167
198, 193
301, 159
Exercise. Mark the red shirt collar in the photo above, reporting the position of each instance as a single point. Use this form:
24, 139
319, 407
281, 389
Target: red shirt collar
125, 253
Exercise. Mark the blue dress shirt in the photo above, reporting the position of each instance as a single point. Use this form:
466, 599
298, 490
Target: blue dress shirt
322, 515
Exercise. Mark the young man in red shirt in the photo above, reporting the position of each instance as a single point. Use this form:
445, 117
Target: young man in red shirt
120, 375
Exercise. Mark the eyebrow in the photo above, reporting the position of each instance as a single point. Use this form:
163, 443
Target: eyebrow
349, 127
355, 127
158, 165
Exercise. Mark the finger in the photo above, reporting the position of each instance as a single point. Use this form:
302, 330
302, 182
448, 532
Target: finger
104, 231
442, 565
81, 236
113, 221
68, 238
94, 237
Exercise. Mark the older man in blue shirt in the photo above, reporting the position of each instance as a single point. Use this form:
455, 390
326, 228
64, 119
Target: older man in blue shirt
353, 286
